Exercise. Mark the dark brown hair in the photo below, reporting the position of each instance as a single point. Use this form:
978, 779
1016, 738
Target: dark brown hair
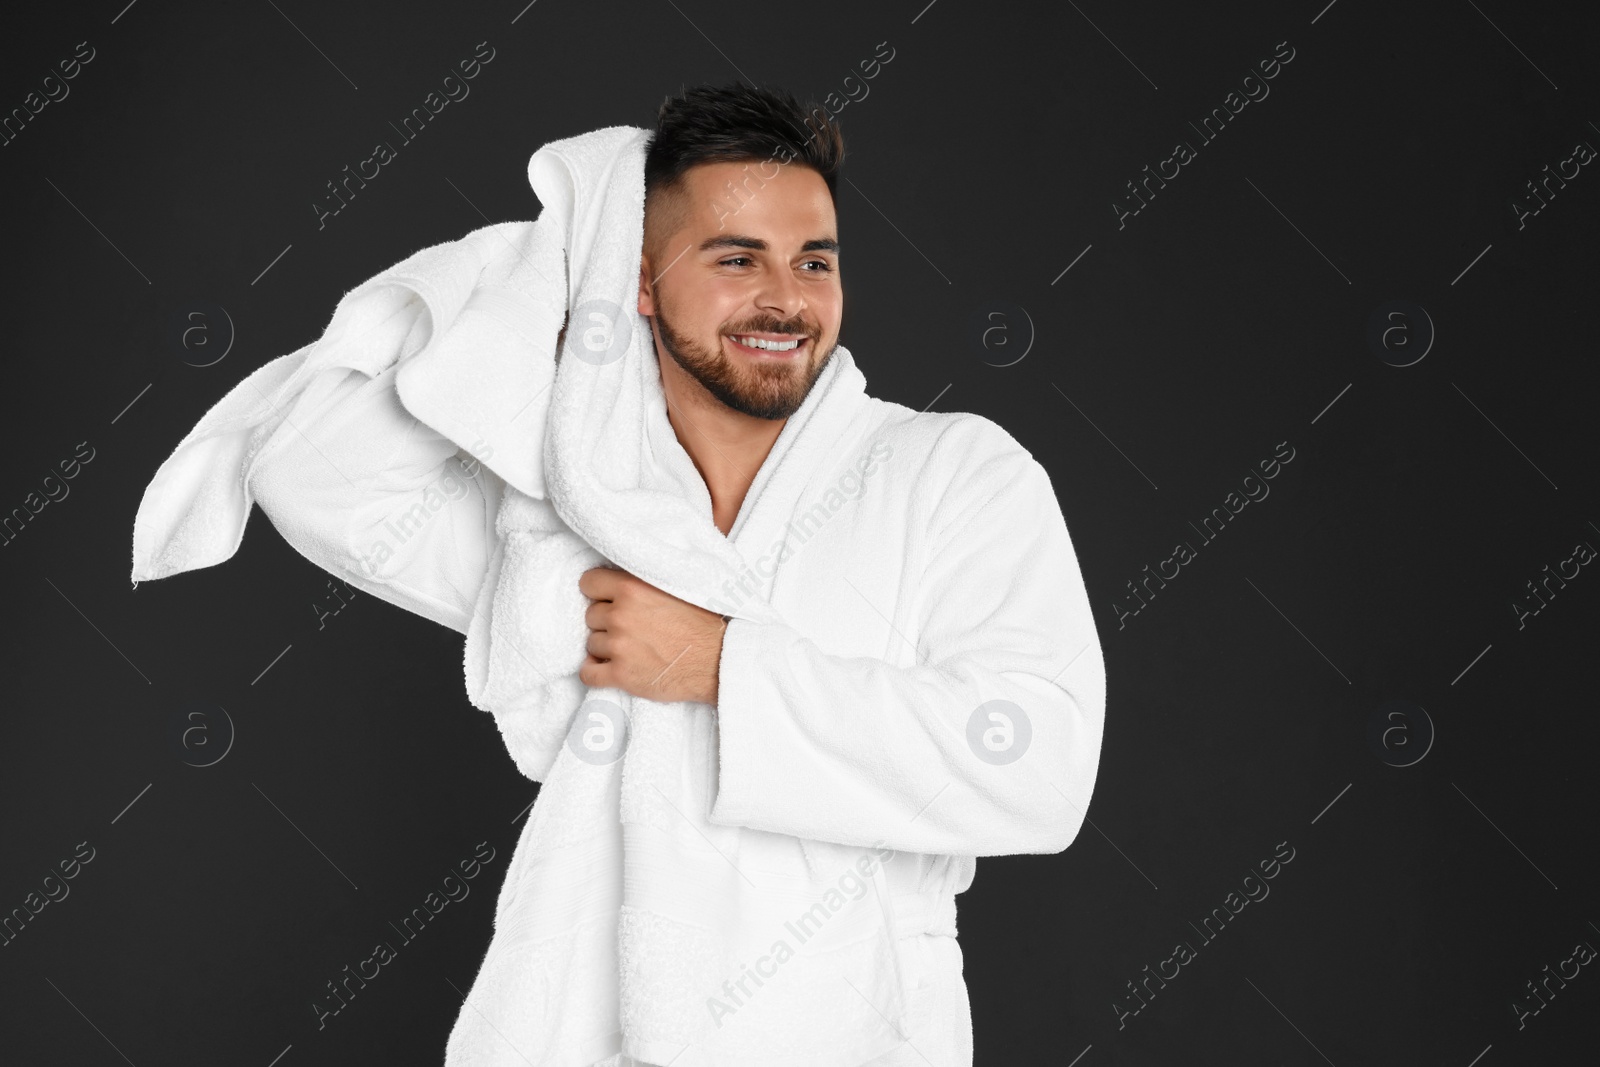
732, 124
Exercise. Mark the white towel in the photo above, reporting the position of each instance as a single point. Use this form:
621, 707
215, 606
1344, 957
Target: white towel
454, 315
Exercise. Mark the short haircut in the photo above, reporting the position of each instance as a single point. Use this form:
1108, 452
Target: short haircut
730, 124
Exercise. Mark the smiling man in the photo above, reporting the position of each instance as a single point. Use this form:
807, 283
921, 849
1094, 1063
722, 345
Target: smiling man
908, 675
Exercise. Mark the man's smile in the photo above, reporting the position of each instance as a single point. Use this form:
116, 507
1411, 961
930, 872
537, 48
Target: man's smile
770, 346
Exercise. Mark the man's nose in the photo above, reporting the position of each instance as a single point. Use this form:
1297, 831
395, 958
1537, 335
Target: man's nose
781, 294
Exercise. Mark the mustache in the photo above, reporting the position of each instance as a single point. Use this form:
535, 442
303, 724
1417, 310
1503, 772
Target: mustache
774, 325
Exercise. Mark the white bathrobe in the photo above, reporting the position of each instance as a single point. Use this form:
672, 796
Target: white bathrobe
911, 674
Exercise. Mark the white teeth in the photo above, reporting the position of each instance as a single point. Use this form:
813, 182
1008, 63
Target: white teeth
771, 346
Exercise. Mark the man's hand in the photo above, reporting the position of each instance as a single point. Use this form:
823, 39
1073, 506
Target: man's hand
648, 642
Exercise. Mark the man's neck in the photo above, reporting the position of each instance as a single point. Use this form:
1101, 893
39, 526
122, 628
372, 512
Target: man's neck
726, 446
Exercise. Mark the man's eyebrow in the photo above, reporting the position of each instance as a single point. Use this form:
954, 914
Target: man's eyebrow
736, 240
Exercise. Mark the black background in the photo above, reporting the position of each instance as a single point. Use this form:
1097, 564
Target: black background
1183, 345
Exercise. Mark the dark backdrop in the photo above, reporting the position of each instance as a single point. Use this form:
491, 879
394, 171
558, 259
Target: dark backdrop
1353, 669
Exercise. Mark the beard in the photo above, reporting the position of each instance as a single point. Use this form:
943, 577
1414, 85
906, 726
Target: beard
762, 390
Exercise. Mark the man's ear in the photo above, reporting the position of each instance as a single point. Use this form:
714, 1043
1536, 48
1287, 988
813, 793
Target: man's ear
646, 304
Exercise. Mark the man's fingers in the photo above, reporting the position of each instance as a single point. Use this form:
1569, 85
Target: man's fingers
595, 674
598, 583
597, 615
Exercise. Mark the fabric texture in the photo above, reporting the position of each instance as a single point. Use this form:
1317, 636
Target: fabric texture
771, 880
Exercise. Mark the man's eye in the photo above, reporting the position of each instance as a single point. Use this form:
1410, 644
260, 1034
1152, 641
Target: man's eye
734, 259
824, 264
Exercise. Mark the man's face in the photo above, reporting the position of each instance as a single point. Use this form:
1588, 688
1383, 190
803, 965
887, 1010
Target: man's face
758, 260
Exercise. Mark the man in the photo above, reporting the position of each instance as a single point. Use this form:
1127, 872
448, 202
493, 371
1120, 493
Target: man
931, 680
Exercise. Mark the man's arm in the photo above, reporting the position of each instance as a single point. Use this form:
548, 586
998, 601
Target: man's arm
366, 491
857, 751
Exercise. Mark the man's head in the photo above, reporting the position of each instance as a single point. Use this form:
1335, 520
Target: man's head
741, 240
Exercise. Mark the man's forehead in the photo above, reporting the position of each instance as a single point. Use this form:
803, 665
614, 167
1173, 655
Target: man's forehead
752, 198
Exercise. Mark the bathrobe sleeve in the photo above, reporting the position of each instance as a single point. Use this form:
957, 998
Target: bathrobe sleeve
365, 490
988, 744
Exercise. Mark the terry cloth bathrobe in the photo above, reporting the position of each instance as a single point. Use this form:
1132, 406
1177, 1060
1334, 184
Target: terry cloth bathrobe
910, 677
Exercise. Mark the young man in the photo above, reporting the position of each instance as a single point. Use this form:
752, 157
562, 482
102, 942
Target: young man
928, 680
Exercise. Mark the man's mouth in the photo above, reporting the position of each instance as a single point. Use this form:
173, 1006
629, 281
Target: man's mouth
769, 345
